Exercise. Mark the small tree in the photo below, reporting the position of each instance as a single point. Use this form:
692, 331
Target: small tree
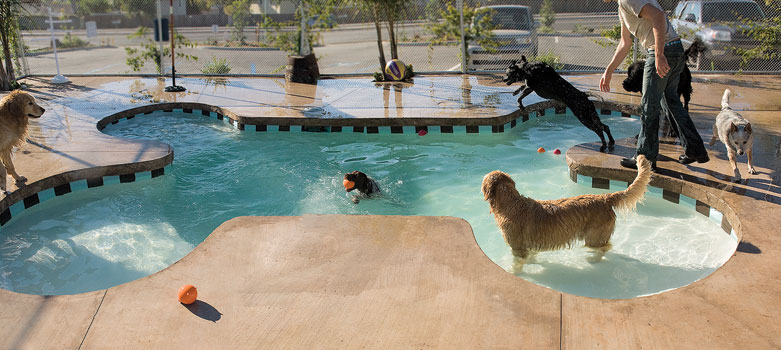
10, 10
548, 16
151, 52
448, 30
239, 12
87, 7
767, 35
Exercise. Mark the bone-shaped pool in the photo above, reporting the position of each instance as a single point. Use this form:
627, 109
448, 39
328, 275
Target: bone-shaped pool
105, 236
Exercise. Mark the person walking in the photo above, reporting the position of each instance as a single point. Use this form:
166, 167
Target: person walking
648, 23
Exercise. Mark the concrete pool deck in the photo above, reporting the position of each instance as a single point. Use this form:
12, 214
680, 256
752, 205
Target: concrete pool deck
339, 281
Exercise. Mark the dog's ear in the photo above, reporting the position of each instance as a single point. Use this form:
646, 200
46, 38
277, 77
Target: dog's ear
733, 127
523, 59
16, 105
747, 127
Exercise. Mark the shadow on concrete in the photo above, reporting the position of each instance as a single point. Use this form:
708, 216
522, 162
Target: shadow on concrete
747, 247
204, 310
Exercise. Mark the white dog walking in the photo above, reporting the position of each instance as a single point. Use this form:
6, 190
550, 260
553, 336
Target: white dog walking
735, 132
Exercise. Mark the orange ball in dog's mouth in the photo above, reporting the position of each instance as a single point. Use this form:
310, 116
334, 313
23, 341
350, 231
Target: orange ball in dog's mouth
348, 185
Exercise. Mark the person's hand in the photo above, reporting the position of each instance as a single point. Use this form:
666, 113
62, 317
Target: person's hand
604, 82
662, 68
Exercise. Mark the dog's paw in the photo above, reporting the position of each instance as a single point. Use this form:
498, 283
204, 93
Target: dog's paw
751, 170
595, 258
603, 148
21, 180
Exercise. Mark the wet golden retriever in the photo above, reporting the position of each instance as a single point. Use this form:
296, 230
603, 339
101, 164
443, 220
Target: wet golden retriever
529, 226
15, 110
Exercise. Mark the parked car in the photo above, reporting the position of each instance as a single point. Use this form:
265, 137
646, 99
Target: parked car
514, 29
720, 25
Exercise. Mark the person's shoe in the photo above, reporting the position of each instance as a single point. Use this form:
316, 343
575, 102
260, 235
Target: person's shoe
631, 163
684, 159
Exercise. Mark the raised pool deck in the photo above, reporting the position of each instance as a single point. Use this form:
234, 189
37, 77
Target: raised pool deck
341, 281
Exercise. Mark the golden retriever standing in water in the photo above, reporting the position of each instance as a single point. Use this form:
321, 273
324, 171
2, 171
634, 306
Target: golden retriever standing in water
15, 109
529, 225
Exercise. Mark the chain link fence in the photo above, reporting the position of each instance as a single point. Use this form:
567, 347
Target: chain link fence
255, 37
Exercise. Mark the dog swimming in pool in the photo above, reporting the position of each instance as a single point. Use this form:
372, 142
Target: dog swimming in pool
363, 185
529, 225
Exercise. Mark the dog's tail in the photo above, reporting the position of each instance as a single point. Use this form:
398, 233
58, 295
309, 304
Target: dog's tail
627, 199
725, 99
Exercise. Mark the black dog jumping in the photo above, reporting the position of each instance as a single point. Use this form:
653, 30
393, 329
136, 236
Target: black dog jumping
634, 83
541, 78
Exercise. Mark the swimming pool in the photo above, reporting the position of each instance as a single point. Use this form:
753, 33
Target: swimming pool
105, 236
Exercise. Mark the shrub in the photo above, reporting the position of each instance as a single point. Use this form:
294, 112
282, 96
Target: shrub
217, 66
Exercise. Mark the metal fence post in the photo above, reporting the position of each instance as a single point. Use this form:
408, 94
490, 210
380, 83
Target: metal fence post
464, 67
21, 55
160, 37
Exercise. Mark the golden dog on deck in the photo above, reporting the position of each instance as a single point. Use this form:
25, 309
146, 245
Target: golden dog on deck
15, 110
530, 225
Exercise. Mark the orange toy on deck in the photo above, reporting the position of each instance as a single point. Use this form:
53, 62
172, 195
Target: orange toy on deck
187, 294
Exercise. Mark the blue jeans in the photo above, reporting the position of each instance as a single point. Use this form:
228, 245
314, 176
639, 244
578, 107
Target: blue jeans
661, 95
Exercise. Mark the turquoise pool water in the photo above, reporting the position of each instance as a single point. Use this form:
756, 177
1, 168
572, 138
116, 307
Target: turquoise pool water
101, 237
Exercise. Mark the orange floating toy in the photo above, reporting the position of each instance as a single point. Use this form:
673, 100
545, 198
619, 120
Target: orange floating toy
348, 185
188, 294
541, 150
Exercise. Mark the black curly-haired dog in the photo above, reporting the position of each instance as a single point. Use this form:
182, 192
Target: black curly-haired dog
634, 83
541, 78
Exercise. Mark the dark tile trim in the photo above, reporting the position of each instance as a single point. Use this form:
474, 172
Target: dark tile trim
95, 182
336, 129
127, 178
206, 113
472, 129
671, 196
626, 115
240, 126
168, 110
187, 110
62, 189
524, 118
702, 208
284, 128
605, 111
158, 172
397, 130
358, 129
446, 129
31, 200
219, 116
540, 113
261, 128
497, 128
421, 128
725, 225
372, 129
5, 216
600, 183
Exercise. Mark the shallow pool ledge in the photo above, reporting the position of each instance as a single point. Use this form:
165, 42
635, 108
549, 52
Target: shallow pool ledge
743, 293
